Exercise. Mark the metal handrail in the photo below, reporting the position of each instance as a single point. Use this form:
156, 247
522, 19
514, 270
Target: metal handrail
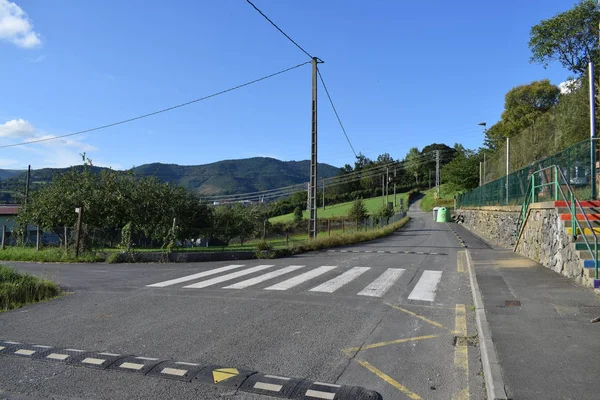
524, 208
574, 218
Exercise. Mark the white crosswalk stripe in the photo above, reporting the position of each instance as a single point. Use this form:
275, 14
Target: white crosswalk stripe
262, 278
297, 280
378, 283
195, 276
426, 287
227, 277
334, 284
379, 286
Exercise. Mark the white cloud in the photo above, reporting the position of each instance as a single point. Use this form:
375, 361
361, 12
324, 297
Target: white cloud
62, 152
16, 27
569, 85
17, 128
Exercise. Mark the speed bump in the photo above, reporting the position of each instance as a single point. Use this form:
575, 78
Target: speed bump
140, 365
271, 385
96, 360
181, 371
7, 346
222, 376
28, 350
58, 355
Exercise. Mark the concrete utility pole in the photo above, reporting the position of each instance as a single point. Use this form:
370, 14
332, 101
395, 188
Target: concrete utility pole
395, 202
323, 180
507, 166
437, 172
383, 188
313, 156
79, 211
592, 131
387, 184
480, 173
27, 184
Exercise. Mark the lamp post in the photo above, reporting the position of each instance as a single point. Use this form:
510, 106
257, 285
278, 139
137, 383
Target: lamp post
482, 172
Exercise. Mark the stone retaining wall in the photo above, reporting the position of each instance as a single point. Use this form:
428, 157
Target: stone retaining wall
495, 224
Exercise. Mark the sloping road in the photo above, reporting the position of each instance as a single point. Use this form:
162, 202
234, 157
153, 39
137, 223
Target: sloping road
383, 315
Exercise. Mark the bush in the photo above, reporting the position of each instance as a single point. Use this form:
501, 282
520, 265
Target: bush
297, 214
17, 289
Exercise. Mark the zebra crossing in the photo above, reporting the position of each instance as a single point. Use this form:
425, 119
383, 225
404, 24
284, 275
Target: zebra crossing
379, 281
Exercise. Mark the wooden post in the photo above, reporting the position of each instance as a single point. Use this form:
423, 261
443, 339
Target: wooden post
343, 229
287, 238
3, 236
78, 236
329, 227
37, 238
66, 239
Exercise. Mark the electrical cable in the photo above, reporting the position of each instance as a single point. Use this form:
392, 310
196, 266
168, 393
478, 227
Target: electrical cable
155, 112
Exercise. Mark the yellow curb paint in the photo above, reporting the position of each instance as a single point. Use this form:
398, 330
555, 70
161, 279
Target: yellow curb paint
461, 352
222, 374
388, 379
460, 261
398, 341
417, 316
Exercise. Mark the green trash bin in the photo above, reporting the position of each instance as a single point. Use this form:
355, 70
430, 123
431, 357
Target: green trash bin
443, 215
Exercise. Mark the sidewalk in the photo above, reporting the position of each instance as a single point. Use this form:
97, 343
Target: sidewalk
546, 346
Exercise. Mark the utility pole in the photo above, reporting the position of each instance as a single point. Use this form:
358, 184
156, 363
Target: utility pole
79, 211
27, 184
507, 166
395, 202
323, 180
313, 155
480, 173
437, 172
429, 179
383, 189
483, 168
387, 184
592, 131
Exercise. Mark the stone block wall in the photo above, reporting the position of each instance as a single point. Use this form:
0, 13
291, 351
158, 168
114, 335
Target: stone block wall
495, 224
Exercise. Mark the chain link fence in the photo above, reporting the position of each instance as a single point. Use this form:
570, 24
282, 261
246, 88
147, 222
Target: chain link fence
512, 189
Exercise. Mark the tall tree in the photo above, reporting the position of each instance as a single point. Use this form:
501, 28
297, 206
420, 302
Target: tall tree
412, 163
569, 38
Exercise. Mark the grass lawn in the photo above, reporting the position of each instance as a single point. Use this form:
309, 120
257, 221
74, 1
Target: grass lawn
446, 199
341, 210
17, 289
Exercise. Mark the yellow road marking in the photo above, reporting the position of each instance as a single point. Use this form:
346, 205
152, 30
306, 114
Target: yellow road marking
222, 374
397, 341
417, 316
460, 261
388, 379
461, 352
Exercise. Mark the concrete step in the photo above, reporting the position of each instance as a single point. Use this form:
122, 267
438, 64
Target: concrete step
587, 210
584, 203
596, 283
580, 245
580, 217
586, 231
585, 255
589, 264
583, 224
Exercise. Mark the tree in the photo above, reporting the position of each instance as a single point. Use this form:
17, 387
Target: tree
570, 38
463, 171
225, 226
384, 212
358, 211
297, 214
412, 163
523, 105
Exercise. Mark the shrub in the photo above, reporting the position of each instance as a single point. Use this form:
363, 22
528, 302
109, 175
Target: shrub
17, 289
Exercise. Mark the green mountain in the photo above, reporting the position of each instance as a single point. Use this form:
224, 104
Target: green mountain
222, 177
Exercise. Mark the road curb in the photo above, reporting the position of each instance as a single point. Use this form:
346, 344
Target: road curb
492, 371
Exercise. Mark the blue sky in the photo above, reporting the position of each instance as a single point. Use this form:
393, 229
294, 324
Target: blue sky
401, 73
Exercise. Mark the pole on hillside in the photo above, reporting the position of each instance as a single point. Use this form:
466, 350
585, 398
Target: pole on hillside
387, 185
383, 189
437, 172
483, 179
507, 166
79, 211
592, 131
25, 201
37, 238
66, 239
480, 172
313, 155
323, 193
395, 200
3, 236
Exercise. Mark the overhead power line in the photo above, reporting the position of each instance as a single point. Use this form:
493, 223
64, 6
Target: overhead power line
335, 111
279, 29
155, 112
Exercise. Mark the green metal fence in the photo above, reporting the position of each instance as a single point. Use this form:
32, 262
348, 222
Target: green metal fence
513, 189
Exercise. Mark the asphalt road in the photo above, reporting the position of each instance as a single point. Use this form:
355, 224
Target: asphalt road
383, 315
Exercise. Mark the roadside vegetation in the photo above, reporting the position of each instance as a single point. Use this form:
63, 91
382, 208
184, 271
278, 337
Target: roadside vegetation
18, 289
446, 199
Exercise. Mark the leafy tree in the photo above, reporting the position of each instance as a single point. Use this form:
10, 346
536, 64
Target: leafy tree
569, 38
384, 212
358, 211
297, 214
247, 221
384, 158
463, 170
412, 163
225, 226
522, 106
